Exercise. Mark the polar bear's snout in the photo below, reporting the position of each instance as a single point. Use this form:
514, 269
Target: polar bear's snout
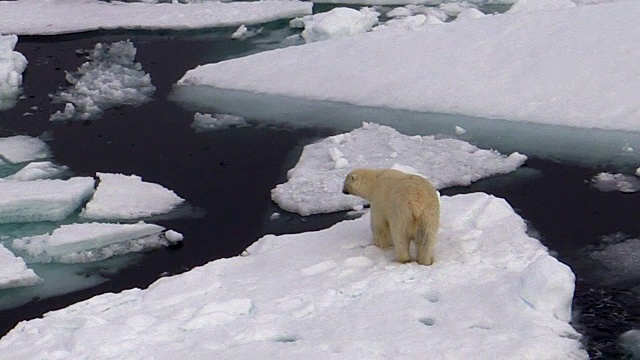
345, 190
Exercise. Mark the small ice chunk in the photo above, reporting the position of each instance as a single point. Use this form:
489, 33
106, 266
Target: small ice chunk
341, 163
605, 181
42, 200
459, 130
38, 170
208, 122
630, 342
121, 196
470, 14
173, 236
14, 271
240, 32
548, 286
12, 65
638, 172
274, 216
21, 148
338, 23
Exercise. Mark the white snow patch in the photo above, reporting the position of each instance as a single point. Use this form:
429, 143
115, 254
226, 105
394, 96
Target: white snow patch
521, 6
14, 271
68, 16
110, 78
42, 200
121, 196
302, 294
12, 65
314, 185
22, 148
420, 70
89, 242
545, 287
208, 122
605, 181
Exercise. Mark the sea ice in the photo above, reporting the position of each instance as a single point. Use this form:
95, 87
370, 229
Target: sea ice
121, 196
208, 122
12, 65
620, 256
420, 70
299, 296
22, 148
630, 342
14, 271
89, 242
68, 16
605, 181
337, 23
314, 185
110, 78
42, 200
38, 170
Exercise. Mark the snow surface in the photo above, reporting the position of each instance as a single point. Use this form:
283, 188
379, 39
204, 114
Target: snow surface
314, 185
207, 122
605, 181
14, 271
121, 196
110, 78
12, 65
38, 170
332, 295
89, 242
42, 200
571, 67
68, 16
22, 148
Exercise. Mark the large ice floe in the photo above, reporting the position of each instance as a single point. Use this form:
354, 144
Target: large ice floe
493, 292
62, 16
109, 78
314, 185
121, 197
12, 65
22, 148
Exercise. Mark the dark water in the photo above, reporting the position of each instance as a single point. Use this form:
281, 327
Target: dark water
229, 174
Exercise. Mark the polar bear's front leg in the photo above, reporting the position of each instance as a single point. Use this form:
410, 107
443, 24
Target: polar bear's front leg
380, 229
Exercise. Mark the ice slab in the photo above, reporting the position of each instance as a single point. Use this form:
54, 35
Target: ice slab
89, 242
605, 181
336, 23
14, 271
298, 296
42, 200
22, 148
314, 185
209, 122
121, 196
422, 69
38, 170
12, 65
110, 78
61, 16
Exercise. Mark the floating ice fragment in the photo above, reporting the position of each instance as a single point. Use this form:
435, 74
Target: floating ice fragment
14, 271
38, 170
337, 23
21, 148
208, 122
630, 342
120, 196
88, 242
605, 181
240, 32
12, 65
459, 130
43, 199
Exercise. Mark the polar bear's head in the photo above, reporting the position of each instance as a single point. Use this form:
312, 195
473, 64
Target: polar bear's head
356, 182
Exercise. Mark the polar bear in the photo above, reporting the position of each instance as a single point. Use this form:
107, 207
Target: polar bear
404, 207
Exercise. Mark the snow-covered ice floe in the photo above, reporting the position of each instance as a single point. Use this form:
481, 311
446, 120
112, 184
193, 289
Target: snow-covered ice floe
314, 185
422, 70
89, 242
110, 78
493, 292
12, 65
336, 23
120, 196
68, 16
22, 148
43, 199
605, 181
38, 170
14, 271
